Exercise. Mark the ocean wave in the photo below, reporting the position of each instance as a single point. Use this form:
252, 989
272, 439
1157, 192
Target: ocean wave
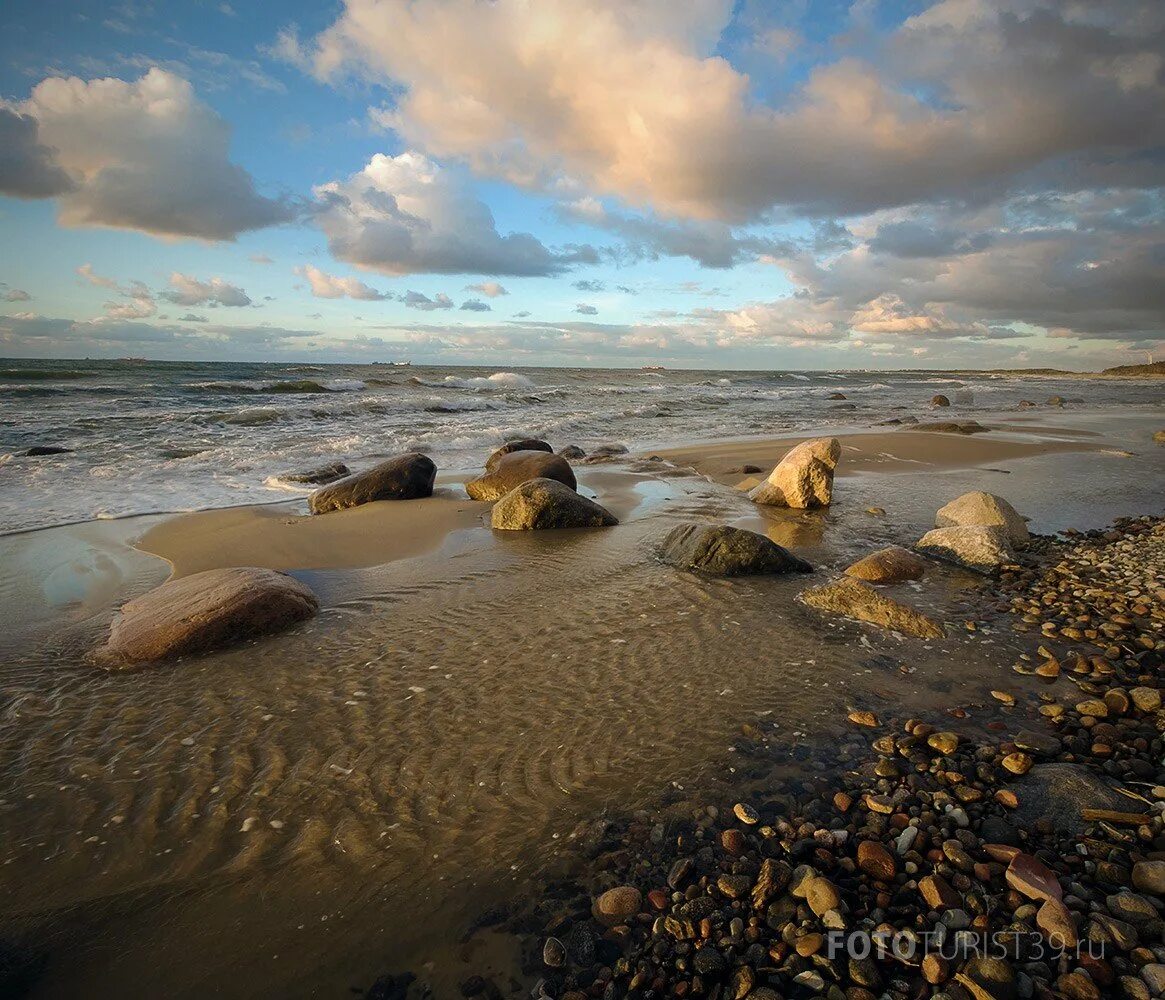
304, 385
40, 374
499, 381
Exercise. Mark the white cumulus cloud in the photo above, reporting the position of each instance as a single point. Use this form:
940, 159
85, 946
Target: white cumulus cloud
144, 155
329, 286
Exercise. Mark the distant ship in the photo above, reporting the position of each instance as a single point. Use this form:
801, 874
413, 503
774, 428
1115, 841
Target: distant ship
402, 364
653, 368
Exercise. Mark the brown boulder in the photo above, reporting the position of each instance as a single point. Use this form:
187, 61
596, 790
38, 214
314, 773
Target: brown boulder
859, 600
405, 477
523, 444
546, 503
205, 611
517, 467
892, 564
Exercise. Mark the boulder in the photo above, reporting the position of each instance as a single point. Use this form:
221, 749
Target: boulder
523, 444
41, 450
860, 601
976, 546
318, 477
1056, 401
892, 564
1159, 437
405, 477
205, 611
803, 478
837, 395
978, 507
546, 503
572, 451
1059, 792
517, 467
721, 550
939, 400
952, 427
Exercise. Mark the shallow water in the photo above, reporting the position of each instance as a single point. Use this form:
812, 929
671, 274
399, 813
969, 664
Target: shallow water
165, 436
425, 747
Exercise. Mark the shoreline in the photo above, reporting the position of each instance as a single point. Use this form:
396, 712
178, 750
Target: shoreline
558, 666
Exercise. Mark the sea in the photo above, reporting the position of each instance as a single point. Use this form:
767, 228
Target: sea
157, 436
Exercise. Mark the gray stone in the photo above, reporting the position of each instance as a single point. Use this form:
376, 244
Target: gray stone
721, 550
1058, 792
405, 477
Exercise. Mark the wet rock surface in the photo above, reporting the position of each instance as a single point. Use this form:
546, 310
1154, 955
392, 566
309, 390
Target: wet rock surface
541, 504
721, 550
205, 611
858, 600
513, 468
405, 477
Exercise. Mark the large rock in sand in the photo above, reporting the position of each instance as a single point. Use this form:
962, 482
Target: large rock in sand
893, 564
803, 478
976, 546
517, 467
205, 611
978, 507
522, 444
405, 477
721, 550
861, 601
546, 503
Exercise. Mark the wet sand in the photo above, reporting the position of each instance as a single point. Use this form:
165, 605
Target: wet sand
421, 752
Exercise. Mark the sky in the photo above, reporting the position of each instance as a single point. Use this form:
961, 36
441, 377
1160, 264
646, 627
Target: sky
713, 184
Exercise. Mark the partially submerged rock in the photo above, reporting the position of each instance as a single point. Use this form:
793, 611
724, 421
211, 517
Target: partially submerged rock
41, 450
319, 476
858, 600
205, 611
892, 564
979, 507
976, 546
803, 478
572, 451
952, 427
517, 467
721, 550
547, 503
522, 444
1159, 437
405, 477
939, 400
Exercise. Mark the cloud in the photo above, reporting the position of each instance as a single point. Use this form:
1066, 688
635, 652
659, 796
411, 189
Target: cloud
328, 286
475, 305
260, 258
490, 289
192, 318
417, 300
86, 272
11, 294
145, 155
28, 168
709, 244
185, 290
406, 215
589, 285
635, 100
586, 310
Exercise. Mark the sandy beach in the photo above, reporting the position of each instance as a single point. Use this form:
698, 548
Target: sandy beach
367, 786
